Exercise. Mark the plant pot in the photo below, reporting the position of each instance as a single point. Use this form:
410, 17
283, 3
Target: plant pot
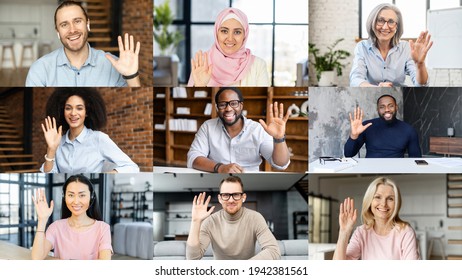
327, 79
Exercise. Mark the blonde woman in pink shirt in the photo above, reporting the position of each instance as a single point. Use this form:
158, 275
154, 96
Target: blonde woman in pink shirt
80, 234
383, 235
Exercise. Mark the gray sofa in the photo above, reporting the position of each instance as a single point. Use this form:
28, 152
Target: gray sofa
296, 249
166, 71
133, 240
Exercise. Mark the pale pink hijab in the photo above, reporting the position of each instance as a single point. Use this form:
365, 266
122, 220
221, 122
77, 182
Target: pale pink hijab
229, 69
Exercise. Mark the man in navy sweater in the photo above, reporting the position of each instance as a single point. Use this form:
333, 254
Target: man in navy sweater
386, 136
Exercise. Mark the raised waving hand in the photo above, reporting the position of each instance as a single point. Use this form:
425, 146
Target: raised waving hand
276, 123
199, 208
201, 70
356, 123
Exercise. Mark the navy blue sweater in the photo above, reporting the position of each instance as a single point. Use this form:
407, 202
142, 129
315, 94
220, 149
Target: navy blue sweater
385, 140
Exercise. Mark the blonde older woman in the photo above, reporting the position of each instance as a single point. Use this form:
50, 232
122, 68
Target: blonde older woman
383, 60
383, 235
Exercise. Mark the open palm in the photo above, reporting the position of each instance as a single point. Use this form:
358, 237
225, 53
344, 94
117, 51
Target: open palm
420, 47
201, 70
276, 122
52, 133
356, 123
199, 208
41, 205
348, 215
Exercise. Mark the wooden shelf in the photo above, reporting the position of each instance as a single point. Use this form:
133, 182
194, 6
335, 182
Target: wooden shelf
299, 158
297, 137
184, 116
454, 227
455, 241
192, 99
454, 257
290, 97
181, 147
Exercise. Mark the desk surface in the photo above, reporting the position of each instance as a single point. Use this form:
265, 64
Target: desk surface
167, 169
393, 165
10, 251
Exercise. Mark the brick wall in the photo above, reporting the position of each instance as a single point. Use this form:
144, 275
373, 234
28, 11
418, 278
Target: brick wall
137, 20
130, 125
330, 20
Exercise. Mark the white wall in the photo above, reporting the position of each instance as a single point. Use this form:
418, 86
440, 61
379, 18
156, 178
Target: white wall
330, 20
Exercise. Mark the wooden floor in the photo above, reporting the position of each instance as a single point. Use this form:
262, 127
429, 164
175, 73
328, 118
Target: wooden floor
13, 77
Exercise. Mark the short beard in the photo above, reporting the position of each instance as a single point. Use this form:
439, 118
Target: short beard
238, 117
392, 120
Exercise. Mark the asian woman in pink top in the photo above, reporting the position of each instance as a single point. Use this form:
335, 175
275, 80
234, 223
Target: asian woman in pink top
80, 234
383, 235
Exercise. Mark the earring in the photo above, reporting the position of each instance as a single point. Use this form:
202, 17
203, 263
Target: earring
59, 37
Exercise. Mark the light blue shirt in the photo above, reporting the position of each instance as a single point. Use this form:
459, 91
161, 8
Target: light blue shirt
90, 152
55, 69
369, 66
246, 149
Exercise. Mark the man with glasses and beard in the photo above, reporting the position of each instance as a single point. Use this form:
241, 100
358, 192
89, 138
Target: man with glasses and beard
386, 136
232, 143
78, 64
233, 231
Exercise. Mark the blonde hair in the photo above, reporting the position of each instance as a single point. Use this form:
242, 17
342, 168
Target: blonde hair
368, 218
372, 22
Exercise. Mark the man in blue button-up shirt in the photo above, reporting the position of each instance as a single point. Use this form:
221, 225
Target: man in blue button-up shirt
76, 63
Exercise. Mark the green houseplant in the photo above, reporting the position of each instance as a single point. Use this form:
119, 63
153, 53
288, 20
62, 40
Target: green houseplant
329, 61
163, 18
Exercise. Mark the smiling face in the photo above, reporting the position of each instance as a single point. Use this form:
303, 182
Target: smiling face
231, 206
230, 36
77, 198
383, 202
71, 25
387, 109
230, 116
386, 32
75, 112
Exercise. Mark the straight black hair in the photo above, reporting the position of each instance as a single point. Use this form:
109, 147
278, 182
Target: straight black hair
93, 210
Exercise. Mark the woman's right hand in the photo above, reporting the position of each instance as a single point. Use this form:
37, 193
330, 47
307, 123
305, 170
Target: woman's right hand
52, 133
41, 205
347, 217
201, 70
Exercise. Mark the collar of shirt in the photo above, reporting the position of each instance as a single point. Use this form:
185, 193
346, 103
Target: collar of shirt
246, 123
79, 138
372, 48
63, 60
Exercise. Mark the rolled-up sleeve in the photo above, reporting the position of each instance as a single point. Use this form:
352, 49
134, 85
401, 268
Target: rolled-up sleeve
200, 146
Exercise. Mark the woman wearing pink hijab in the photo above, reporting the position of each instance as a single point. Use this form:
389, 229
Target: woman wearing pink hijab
229, 62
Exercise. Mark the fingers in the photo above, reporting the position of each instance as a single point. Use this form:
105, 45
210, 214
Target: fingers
120, 43
263, 124
211, 210
286, 117
132, 43
126, 42
52, 204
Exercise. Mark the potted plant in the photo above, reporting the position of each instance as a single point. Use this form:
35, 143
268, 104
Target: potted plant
167, 40
328, 64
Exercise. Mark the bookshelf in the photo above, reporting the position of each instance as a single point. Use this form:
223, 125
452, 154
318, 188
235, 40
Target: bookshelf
171, 146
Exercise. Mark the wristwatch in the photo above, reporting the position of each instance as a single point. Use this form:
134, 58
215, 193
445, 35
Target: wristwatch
283, 139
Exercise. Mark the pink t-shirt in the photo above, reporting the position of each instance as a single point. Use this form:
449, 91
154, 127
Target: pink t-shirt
365, 244
71, 245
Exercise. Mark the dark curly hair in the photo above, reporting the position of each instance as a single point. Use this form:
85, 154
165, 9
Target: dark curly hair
95, 107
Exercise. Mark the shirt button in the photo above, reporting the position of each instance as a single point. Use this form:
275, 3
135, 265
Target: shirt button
78, 73
384, 67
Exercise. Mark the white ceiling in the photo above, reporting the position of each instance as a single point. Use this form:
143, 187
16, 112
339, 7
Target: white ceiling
206, 181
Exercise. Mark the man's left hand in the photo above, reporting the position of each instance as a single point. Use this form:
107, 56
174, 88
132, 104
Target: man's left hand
127, 64
276, 123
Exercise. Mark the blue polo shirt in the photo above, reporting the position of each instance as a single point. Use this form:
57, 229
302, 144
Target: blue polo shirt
54, 69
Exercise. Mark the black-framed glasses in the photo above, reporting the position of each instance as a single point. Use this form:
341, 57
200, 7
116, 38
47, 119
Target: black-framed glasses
233, 103
381, 22
236, 196
323, 160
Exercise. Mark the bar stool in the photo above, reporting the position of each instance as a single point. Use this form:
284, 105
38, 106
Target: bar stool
437, 238
45, 47
26, 45
8, 45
